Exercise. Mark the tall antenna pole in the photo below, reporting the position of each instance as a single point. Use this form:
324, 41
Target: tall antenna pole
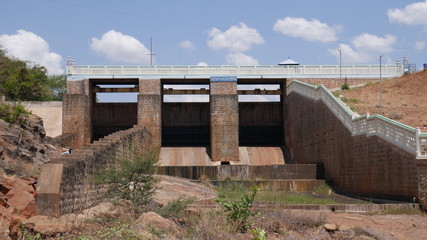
151, 51
381, 89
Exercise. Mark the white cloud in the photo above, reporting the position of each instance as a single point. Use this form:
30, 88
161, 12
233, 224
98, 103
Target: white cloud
310, 30
372, 43
187, 45
202, 64
240, 59
365, 48
238, 38
351, 55
420, 45
121, 48
28, 46
412, 14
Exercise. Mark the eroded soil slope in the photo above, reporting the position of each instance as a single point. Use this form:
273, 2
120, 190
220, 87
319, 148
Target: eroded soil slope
404, 99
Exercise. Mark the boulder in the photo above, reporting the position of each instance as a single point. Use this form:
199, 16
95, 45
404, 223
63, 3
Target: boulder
5, 213
157, 222
22, 185
23, 204
5, 186
47, 225
330, 227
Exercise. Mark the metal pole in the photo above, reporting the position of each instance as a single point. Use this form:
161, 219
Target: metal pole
340, 73
381, 89
340, 63
151, 51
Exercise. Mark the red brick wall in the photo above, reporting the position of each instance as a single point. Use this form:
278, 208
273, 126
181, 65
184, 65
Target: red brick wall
66, 185
76, 119
360, 165
150, 108
224, 107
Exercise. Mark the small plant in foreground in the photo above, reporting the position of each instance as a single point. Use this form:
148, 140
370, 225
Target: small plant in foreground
131, 179
13, 113
345, 86
260, 234
239, 212
176, 208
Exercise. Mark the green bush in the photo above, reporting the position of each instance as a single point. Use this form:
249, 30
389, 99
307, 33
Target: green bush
260, 234
132, 178
14, 114
175, 209
345, 86
239, 212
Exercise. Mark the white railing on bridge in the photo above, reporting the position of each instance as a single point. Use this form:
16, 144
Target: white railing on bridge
301, 71
405, 137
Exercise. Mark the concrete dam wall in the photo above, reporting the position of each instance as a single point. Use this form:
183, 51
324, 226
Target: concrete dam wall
364, 156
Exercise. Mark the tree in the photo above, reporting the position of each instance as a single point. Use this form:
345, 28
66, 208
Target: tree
131, 178
58, 86
239, 212
22, 81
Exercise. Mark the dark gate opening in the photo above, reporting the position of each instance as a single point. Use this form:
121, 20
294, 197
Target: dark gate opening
185, 116
261, 115
114, 106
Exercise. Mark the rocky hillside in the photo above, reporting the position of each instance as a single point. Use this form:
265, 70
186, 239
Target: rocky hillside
24, 147
23, 150
404, 99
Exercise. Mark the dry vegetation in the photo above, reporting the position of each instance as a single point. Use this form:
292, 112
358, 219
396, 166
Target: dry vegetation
404, 99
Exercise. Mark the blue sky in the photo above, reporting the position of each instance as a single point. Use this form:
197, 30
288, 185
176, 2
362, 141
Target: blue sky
190, 32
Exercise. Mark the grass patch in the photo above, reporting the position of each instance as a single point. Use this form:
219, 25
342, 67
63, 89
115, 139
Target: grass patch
232, 191
350, 100
176, 208
291, 198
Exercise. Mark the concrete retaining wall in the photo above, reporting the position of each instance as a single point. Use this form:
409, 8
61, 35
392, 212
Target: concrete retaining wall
360, 165
66, 184
243, 172
51, 113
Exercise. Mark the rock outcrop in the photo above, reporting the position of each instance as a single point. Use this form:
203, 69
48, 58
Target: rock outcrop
23, 147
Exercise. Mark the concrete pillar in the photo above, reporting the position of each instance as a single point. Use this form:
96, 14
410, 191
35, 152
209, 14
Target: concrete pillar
150, 108
76, 112
224, 107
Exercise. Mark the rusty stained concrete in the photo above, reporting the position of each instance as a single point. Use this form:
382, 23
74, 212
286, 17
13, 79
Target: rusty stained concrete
198, 156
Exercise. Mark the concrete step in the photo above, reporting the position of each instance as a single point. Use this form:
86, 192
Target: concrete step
351, 208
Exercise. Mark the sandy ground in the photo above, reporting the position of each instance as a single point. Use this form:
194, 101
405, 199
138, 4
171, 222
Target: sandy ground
381, 226
404, 99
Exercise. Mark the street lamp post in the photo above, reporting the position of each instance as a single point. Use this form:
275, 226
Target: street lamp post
381, 88
340, 66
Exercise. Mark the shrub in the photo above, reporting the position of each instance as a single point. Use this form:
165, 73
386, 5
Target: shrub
239, 212
345, 86
175, 209
14, 114
131, 178
260, 234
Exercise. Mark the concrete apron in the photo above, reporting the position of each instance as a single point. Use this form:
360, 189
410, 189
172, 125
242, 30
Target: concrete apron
198, 156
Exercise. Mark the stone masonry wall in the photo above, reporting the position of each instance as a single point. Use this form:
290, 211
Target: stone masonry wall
150, 108
76, 118
359, 165
224, 107
422, 182
66, 184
